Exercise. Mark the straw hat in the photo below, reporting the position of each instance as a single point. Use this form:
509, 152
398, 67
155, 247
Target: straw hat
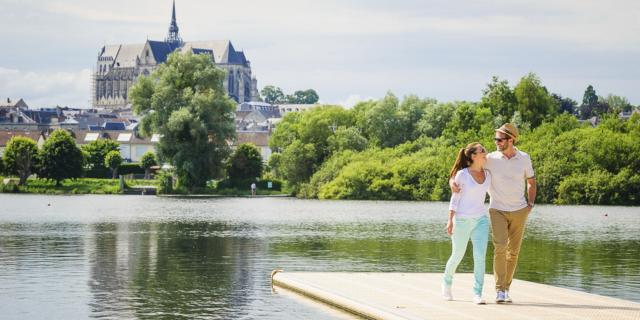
510, 130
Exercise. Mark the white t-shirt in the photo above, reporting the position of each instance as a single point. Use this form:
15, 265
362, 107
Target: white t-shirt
508, 187
469, 202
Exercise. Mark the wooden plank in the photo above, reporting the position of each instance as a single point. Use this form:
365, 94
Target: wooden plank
418, 296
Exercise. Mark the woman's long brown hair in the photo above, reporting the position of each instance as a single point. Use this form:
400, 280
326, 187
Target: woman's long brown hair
464, 158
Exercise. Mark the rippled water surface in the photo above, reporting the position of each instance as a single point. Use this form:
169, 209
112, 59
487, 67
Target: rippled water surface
77, 257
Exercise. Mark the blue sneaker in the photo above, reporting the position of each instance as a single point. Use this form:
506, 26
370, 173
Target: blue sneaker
500, 298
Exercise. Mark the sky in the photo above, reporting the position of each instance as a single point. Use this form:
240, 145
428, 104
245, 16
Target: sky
347, 50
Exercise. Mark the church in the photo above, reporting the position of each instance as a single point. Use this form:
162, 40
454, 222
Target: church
119, 66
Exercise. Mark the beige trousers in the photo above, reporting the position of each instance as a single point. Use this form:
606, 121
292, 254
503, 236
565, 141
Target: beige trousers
507, 230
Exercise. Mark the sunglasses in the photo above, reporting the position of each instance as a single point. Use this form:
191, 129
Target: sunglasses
480, 150
500, 139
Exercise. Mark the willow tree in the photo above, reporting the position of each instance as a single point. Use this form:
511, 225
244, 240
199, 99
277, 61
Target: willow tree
184, 101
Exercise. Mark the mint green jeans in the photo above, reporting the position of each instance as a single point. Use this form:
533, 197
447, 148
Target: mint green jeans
476, 229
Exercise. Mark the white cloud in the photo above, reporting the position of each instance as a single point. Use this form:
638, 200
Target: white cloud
47, 89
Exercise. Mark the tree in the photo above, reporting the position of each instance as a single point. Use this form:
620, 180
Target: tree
184, 101
534, 102
435, 119
272, 94
147, 161
383, 124
308, 96
499, 98
60, 157
95, 153
20, 157
590, 97
297, 163
347, 138
618, 104
113, 160
566, 105
245, 165
591, 105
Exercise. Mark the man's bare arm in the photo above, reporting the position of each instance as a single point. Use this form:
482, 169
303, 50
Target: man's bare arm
531, 191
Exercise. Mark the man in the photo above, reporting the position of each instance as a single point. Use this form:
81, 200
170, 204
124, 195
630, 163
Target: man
508, 207
253, 189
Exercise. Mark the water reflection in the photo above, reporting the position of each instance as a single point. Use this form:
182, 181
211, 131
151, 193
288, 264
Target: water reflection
145, 257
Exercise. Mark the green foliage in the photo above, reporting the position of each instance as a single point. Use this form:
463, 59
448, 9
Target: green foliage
382, 123
185, 102
95, 153
272, 94
499, 98
403, 150
298, 162
20, 157
245, 165
113, 160
565, 105
69, 186
308, 96
617, 104
435, 119
600, 187
166, 182
2, 166
346, 138
275, 95
147, 161
130, 168
60, 157
534, 103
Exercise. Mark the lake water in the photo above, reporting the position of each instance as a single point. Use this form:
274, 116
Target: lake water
78, 257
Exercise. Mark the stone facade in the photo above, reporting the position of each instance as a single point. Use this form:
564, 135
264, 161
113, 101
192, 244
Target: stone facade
119, 66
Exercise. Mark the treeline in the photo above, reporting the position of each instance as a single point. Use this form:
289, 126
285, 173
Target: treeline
396, 149
275, 95
60, 159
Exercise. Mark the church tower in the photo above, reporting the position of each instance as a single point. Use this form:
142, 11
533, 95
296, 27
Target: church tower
173, 38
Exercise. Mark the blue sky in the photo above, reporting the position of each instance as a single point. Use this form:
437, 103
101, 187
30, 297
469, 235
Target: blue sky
346, 50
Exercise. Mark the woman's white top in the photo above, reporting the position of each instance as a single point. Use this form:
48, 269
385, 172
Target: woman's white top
469, 202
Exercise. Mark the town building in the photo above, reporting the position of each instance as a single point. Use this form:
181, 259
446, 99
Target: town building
119, 66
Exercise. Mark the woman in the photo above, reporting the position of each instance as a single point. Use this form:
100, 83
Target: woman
467, 217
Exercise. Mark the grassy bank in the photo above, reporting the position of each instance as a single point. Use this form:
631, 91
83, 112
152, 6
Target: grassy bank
76, 186
109, 186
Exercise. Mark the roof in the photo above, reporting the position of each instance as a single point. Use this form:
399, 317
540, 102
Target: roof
6, 135
12, 103
160, 50
260, 139
114, 126
128, 54
222, 49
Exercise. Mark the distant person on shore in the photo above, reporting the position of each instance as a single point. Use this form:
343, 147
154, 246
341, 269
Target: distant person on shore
253, 189
508, 208
468, 218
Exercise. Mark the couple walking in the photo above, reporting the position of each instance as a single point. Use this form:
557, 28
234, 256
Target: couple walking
503, 174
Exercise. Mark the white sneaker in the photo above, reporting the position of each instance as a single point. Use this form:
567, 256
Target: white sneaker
446, 293
507, 297
479, 300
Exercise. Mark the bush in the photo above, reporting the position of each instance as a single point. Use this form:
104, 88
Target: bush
95, 153
130, 168
245, 165
165, 179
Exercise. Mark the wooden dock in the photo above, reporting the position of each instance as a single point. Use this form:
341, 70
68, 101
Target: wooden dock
418, 296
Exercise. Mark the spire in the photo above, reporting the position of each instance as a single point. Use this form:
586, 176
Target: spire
173, 37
